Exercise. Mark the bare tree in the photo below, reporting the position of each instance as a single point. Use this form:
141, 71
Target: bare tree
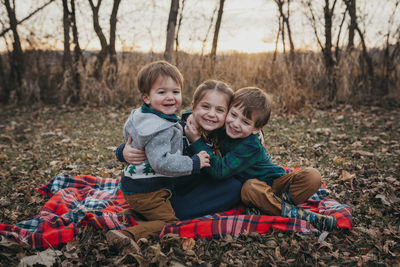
391, 55
329, 61
351, 7
284, 22
173, 14
77, 49
178, 31
351, 4
106, 49
27, 17
67, 58
204, 41
71, 65
113, 31
216, 34
17, 57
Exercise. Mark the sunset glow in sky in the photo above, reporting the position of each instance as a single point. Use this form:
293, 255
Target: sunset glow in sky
247, 26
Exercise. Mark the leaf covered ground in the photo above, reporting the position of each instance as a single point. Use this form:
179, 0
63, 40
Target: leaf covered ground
357, 150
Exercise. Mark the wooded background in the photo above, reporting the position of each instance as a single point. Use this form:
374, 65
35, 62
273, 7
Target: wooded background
344, 68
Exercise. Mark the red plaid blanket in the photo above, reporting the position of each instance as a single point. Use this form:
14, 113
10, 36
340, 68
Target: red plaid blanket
234, 222
74, 202
82, 200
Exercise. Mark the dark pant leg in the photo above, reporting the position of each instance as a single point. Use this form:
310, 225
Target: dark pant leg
207, 197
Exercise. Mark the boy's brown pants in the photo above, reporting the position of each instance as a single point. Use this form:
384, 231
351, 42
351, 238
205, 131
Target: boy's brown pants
301, 185
157, 210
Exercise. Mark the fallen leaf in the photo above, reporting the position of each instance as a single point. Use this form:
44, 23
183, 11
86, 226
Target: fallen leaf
323, 236
383, 199
347, 177
338, 160
362, 153
188, 244
105, 174
45, 258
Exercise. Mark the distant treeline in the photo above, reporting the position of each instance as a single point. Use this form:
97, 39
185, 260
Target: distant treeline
294, 83
345, 69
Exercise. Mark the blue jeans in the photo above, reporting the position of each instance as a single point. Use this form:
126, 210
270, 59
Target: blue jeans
200, 196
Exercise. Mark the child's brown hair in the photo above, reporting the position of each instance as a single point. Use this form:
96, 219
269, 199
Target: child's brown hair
255, 104
212, 85
148, 75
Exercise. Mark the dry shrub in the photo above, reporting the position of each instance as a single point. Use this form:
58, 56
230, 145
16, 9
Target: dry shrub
294, 84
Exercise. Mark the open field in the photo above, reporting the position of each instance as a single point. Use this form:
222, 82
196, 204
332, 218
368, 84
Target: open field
37, 143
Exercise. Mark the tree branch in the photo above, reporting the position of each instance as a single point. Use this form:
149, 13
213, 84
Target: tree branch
26, 18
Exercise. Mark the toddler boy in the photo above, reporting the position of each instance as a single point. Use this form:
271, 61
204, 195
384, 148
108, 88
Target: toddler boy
154, 128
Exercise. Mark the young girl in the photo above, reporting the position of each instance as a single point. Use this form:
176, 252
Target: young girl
199, 195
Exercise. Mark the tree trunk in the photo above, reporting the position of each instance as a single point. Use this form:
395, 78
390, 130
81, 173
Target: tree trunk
101, 56
178, 31
291, 56
284, 20
78, 59
173, 14
67, 58
216, 33
27, 17
112, 71
17, 57
351, 6
4, 89
328, 58
113, 27
77, 48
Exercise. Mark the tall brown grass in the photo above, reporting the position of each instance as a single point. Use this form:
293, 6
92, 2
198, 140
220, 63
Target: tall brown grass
294, 84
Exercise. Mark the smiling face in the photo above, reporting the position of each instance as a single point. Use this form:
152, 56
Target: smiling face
211, 110
239, 126
165, 96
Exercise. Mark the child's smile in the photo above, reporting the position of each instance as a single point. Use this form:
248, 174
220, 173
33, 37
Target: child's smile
165, 96
237, 125
210, 112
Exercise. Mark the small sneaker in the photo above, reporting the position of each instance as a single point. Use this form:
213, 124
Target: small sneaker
319, 221
121, 239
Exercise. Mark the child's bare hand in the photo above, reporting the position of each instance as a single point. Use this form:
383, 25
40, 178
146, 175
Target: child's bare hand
261, 137
132, 155
191, 131
204, 159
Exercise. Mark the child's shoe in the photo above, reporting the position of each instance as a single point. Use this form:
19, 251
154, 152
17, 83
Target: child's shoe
122, 239
319, 221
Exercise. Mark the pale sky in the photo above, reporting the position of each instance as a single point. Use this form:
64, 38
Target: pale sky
247, 26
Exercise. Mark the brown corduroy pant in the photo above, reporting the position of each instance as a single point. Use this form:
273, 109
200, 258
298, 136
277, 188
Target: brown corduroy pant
156, 208
301, 185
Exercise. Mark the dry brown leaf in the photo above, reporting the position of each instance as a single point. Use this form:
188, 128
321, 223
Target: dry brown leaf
347, 178
105, 174
188, 244
362, 153
338, 160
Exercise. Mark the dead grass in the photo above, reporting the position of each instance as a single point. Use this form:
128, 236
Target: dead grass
294, 85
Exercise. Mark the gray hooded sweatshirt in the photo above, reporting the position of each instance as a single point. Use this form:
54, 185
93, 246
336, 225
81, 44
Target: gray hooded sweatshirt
162, 142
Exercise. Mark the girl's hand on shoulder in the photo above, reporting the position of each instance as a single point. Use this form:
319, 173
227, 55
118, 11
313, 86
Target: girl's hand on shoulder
191, 131
132, 155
